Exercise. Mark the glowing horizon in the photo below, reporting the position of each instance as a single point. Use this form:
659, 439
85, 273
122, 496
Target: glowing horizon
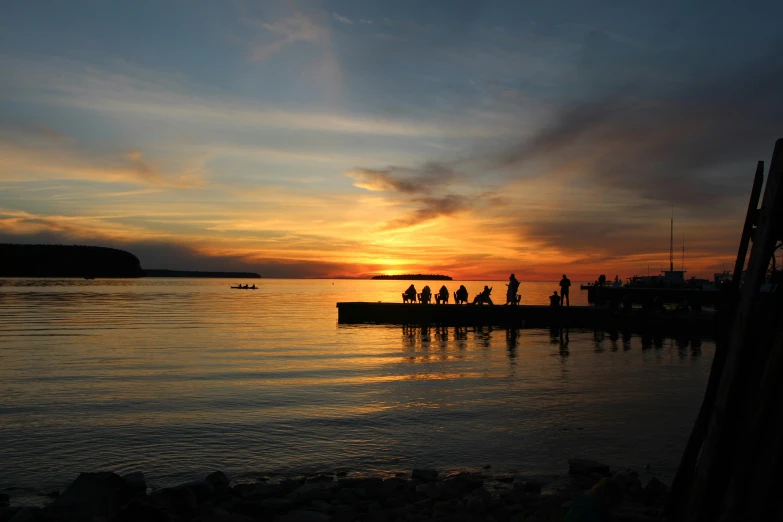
328, 139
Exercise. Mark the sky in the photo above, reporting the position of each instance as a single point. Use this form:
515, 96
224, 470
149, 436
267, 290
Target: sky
349, 138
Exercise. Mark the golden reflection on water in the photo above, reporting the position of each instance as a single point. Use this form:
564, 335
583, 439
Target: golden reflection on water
175, 377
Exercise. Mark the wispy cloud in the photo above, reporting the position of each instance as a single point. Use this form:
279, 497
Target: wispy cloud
430, 177
284, 32
342, 19
21, 161
84, 87
431, 208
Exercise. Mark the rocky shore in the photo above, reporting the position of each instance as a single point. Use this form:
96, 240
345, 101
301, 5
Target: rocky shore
341, 496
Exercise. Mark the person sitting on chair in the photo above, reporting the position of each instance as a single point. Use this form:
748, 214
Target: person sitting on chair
554, 300
461, 295
410, 294
443, 295
426, 294
483, 297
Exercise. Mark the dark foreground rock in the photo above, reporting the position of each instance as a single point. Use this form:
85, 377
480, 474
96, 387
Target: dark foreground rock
91, 496
587, 467
422, 496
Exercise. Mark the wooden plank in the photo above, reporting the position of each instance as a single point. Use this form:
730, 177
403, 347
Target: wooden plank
706, 501
683, 479
747, 230
752, 487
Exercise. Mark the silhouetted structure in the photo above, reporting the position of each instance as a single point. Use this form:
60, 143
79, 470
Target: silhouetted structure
731, 467
66, 261
414, 277
528, 316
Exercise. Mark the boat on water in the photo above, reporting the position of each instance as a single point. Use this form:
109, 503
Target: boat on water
240, 287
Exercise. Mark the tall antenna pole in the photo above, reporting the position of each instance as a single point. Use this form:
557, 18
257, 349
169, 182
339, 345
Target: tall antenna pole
683, 253
671, 243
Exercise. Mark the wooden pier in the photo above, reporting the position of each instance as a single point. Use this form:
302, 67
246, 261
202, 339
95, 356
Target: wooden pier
615, 296
528, 316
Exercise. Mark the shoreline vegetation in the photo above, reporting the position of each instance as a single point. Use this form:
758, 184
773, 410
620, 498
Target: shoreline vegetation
87, 262
342, 495
413, 277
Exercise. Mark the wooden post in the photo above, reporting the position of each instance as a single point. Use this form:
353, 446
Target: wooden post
716, 492
683, 479
747, 230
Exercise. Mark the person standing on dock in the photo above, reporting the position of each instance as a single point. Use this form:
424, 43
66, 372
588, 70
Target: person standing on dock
511, 293
565, 284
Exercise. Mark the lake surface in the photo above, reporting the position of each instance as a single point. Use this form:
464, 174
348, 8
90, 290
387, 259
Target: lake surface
179, 377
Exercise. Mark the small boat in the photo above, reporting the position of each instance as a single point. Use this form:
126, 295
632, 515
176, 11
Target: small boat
245, 287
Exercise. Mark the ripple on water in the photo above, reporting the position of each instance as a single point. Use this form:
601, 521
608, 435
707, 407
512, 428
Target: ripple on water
180, 377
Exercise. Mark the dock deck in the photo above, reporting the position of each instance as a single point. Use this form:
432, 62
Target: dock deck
526, 316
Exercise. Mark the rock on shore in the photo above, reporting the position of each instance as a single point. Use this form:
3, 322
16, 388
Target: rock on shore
337, 496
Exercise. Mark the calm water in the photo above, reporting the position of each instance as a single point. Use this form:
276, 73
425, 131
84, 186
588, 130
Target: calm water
178, 377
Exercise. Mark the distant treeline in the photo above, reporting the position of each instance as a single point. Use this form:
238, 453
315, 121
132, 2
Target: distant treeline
190, 273
414, 277
66, 261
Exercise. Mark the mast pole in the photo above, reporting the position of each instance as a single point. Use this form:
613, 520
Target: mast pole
671, 243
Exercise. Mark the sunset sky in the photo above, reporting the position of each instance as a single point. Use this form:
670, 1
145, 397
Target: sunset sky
349, 138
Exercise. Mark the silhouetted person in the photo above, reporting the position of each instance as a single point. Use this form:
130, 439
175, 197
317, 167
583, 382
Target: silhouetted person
483, 297
511, 293
426, 294
601, 279
443, 294
410, 293
253, 287
554, 300
565, 284
462, 294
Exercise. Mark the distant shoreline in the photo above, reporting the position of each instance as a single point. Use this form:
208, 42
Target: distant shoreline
413, 277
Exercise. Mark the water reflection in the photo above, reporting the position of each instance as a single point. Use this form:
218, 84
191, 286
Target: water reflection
210, 378
560, 336
460, 338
